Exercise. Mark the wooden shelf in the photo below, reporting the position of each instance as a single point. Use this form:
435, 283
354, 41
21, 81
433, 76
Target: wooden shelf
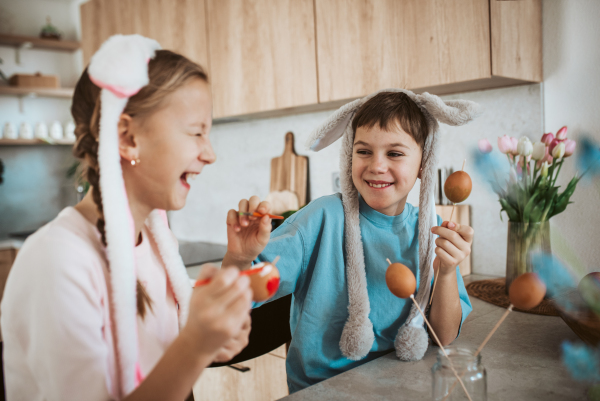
39, 43
30, 142
65, 93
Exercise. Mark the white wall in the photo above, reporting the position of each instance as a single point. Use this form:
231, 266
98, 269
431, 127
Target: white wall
244, 151
572, 98
35, 186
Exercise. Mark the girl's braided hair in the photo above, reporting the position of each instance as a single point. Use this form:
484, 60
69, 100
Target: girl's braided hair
167, 71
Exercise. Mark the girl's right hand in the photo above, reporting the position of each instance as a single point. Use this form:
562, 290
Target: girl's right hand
218, 310
247, 236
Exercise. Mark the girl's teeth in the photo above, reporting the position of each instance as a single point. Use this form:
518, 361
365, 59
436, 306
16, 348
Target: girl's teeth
190, 177
378, 185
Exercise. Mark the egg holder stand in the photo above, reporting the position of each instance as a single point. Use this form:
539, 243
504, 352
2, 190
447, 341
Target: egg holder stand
437, 340
449, 220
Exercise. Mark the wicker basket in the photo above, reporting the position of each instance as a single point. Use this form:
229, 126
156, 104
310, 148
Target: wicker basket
579, 318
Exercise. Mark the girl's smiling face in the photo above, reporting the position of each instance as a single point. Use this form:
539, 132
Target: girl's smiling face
172, 144
385, 166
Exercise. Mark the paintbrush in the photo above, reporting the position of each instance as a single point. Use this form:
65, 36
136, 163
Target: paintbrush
256, 214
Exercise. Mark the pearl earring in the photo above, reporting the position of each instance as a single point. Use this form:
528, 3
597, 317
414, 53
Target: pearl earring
134, 162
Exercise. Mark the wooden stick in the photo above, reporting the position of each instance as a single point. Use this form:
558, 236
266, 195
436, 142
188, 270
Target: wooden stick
435, 277
463, 167
510, 308
452, 213
441, 347
388, 260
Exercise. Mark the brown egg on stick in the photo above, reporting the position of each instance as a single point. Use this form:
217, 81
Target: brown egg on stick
458, 187
400, 280
527, 291
402, 283
264, 282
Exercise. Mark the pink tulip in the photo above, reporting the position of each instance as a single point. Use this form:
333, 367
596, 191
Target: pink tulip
562, 133
514, 142
569, 147
484, 146
504, 144
547, 138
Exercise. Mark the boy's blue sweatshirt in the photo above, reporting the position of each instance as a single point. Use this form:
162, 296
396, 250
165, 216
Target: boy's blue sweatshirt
312, 267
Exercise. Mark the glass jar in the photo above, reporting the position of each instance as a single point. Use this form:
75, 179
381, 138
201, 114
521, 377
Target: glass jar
524, 238
468, 367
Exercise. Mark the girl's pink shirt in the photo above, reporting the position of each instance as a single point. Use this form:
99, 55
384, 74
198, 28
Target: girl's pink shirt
55, 316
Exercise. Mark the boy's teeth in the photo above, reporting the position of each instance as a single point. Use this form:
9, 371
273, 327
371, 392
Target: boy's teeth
378, 185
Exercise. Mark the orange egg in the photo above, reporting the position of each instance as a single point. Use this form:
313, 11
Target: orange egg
265, 282
458, 187
400, 280
527, 291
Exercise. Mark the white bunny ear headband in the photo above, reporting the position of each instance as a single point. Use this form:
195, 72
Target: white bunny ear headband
120, 68
357, 336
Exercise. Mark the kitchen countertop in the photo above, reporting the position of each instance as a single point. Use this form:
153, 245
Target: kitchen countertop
10, 243
522, 360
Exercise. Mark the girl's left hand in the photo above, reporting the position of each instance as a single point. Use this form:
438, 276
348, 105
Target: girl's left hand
236, 344
452, 246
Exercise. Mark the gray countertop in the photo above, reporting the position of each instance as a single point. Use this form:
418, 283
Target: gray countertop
522, 361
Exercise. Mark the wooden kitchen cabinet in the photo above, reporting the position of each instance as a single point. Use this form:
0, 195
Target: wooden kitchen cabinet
262, 55
265, 381
178, 25
7, 257
440, 46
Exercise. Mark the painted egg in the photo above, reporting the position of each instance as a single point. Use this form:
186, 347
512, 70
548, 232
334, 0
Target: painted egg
458, 187
589, 288
527, 291
265, 282
400, 280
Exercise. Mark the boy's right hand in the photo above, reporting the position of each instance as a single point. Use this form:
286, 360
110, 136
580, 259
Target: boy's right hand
219, 310
247, 236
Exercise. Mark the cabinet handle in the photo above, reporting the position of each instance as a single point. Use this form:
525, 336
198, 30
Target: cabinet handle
239, 368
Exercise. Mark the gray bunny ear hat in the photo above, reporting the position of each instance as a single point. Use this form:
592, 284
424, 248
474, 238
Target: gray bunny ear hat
357, 336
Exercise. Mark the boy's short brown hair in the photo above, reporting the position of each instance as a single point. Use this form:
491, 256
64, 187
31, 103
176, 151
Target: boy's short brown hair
387, 108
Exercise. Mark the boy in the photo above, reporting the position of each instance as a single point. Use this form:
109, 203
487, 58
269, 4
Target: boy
333, 252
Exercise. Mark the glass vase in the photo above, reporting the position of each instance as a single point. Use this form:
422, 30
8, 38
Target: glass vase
524, 238
470, 370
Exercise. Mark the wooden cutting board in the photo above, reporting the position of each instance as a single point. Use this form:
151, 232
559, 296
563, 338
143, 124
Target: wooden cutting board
290, 171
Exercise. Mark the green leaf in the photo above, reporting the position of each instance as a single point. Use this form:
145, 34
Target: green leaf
510, 211
536, 213
529, 206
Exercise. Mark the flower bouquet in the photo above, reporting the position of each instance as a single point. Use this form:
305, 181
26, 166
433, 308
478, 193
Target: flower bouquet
528, 193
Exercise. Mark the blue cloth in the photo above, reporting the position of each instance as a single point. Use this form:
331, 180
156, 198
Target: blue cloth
312, 267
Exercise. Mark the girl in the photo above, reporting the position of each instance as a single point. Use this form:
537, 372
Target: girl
91, 308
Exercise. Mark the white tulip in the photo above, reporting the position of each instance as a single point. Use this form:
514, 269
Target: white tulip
539, 151
559, 151
544, 171
524, 147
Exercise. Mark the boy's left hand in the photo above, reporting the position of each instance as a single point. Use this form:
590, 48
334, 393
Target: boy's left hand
452, 246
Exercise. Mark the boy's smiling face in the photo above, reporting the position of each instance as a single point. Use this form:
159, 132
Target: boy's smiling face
385, 166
